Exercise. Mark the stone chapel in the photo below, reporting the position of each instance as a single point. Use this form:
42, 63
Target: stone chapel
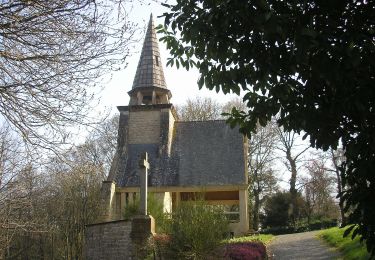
186, 158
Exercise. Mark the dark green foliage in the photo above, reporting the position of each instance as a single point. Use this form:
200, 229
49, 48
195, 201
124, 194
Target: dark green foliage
312, 62
322, 224
278, 209
302, 227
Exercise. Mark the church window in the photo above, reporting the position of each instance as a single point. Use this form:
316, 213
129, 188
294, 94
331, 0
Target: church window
157, 60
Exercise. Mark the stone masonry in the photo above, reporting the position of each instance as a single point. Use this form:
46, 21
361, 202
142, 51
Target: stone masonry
110, 240
149, 122
119, 240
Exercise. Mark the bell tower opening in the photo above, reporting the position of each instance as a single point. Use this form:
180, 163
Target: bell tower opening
147, 100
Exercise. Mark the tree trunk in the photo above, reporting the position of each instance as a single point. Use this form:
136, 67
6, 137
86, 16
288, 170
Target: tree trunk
256, 209
339, 190
339, 187
292, 189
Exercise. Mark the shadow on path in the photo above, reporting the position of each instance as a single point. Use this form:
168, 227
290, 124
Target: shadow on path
300, 246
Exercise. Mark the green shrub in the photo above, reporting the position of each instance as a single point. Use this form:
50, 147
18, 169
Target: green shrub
278, 210
301, 226
196, 229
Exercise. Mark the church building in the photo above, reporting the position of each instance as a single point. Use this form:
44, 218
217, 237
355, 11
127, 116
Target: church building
185, 158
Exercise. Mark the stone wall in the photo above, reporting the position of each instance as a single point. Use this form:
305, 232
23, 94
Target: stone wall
122, 239
109, 240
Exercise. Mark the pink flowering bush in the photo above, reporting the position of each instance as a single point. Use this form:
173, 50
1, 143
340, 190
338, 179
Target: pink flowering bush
246, 251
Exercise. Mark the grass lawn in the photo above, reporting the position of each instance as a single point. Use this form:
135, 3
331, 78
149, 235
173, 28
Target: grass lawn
351, 249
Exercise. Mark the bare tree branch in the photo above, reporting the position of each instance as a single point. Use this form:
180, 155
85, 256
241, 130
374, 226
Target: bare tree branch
53, 56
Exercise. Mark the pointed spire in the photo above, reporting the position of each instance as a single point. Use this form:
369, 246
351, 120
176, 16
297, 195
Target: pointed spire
150, 71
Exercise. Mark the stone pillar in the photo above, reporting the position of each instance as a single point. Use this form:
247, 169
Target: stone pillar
139, 98
108, 200
143, 167
143, 225
123, 204
244, 217
178, 198
130, 197
154, 97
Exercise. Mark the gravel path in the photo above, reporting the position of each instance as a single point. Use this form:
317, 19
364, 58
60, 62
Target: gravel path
300, 246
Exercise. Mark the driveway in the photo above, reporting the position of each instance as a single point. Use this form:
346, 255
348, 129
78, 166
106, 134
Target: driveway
300, 246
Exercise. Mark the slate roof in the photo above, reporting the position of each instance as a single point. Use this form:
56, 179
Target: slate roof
150, 70
208, 153
204, 153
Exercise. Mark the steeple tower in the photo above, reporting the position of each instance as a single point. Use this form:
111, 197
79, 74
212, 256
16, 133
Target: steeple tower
149, 85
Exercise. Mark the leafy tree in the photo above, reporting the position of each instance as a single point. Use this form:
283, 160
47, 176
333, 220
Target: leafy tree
311, 61
277, 210
52, 57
